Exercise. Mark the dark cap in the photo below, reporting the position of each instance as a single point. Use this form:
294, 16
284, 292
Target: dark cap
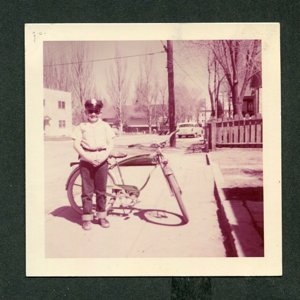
93, 104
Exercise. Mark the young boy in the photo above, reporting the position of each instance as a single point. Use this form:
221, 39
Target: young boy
93, 140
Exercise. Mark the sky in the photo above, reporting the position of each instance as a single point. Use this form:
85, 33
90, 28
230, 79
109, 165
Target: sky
190, 67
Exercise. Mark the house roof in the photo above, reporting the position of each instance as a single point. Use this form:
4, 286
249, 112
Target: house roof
134, 114
256, 80
136, 121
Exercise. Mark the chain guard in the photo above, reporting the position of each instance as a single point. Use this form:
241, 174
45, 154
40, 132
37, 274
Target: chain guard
131, 190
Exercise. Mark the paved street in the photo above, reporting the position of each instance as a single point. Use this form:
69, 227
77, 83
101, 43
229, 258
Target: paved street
136, 236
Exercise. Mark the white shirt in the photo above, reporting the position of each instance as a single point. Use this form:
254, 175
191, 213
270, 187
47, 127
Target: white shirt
93, 136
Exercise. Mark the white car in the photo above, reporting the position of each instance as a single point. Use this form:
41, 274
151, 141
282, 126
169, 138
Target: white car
189, 129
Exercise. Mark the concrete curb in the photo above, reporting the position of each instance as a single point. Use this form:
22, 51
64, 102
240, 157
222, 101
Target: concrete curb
241, 237
226, 214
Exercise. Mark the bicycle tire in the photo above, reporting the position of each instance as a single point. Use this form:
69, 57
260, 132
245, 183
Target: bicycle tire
74, 189
177, 193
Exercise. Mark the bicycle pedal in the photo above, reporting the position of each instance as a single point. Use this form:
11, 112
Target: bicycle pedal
117, 190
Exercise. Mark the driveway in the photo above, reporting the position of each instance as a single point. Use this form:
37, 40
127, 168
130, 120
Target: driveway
144, 233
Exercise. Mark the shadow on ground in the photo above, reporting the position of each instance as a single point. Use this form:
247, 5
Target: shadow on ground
244, 193
153, 216
247, 205
68, 213
160, 217
253, 172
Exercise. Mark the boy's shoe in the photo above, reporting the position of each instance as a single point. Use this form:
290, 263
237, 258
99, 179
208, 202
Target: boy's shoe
104, 223
87, 225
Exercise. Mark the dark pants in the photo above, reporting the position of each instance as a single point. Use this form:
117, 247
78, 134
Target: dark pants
94, 180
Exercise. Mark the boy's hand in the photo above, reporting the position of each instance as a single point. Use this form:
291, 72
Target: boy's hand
101, 157
97, 162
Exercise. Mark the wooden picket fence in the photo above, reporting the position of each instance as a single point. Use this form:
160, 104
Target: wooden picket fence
237, 132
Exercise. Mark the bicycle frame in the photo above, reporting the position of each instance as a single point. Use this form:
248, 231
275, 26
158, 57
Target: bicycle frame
120, 189
152, 159
147, 159
134, 161
166, 169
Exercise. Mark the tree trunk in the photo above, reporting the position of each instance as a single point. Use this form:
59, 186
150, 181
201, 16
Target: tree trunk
236, 101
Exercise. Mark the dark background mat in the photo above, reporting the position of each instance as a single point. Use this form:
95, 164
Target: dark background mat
14, 14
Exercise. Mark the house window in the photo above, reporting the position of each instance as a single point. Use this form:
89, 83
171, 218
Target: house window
250, 108
61, 123
61, 104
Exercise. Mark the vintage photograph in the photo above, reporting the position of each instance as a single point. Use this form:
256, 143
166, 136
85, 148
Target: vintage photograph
153, 150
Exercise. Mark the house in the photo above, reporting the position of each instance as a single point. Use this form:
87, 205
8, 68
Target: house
137, 120
256, 85
135, 117
251, 101
57, 113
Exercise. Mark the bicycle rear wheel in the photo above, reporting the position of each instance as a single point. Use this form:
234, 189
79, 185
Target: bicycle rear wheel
177, 193
74, 189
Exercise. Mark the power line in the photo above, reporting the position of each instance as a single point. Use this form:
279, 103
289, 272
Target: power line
181, 54
190, 59
105, 59
197, 84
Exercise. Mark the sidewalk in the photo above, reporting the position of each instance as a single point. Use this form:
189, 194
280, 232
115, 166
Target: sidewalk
239, 178
145, 233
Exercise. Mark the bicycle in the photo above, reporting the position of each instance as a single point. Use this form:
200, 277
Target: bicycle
126, 196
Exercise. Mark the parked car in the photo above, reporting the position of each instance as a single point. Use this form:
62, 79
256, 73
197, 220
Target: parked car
189, 129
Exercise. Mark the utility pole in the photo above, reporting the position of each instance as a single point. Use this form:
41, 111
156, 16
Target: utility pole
172, 125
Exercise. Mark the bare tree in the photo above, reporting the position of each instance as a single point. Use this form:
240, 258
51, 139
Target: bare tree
56, 72
237, 61
240, 61
82, 79
146, 90
163, 112
215, 78
185, 104
118, 89
48, 72
70, 70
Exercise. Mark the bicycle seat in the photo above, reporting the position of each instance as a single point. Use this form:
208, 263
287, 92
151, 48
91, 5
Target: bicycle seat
118, 155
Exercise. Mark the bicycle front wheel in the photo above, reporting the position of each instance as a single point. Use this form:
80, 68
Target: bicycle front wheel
74, 189
177, 193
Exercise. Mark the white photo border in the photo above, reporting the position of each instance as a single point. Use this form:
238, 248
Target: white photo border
36, 262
